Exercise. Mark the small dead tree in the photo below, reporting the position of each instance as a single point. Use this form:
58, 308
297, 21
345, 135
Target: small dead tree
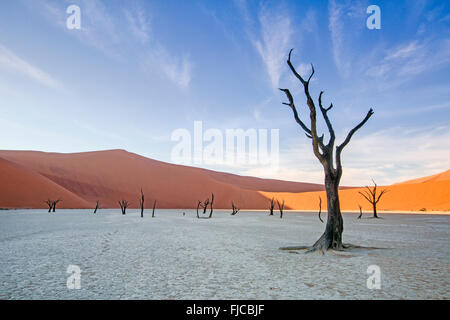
141, 203
50, 204
234, 208
153, 211
329, 157
272, 206
371, 195
280, 207
96, 207
360, 211
123, 206
54, 204
204, 206
320, 208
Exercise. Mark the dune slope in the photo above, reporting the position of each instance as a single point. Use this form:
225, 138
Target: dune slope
23, 188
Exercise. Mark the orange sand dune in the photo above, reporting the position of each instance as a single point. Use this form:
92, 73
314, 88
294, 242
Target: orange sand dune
108, 176
428, 194
443, 176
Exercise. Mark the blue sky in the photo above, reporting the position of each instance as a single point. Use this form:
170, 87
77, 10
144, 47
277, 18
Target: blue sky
138, 70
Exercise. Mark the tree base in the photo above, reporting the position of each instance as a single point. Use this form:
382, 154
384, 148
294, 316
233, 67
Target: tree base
321, 249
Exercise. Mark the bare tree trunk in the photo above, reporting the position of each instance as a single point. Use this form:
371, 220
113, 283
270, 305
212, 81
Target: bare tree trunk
198, 206
332, 236
50, 204
123, 206
96, 207
211, 204
272, 206
280, 207
141, 202
154, 206
360, 212
54, 205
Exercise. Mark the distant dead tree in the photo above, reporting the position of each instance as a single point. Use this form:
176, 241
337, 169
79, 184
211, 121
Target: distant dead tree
50, 204
204, 206
324, 152
154, 206
280, 207
371, 195
272, 206
360, 211
96, 207
234, 208
54, 204
141, 202
320, 208
123, 206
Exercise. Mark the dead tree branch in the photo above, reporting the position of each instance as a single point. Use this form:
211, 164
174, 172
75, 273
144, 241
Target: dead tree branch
320, 208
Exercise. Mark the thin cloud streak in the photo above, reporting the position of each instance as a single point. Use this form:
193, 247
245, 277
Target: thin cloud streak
276, 32
10, 61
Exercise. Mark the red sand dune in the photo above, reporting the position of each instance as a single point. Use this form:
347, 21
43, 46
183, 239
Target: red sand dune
79, 179
111, 175
24, 188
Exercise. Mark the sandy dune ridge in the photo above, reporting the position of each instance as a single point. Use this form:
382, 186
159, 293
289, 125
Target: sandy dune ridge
79, 179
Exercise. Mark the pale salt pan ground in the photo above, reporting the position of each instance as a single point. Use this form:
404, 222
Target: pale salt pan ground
227, 257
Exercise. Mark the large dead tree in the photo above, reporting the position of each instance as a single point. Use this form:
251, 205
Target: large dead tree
329, 157
370, 194
141, 202
123, 206
272, 206
280, 207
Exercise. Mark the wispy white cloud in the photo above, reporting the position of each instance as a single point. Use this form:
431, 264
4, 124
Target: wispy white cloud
276, 32
342, 17
109, 31
139, 24
10, 61
410, 59
178, 70
336, 28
